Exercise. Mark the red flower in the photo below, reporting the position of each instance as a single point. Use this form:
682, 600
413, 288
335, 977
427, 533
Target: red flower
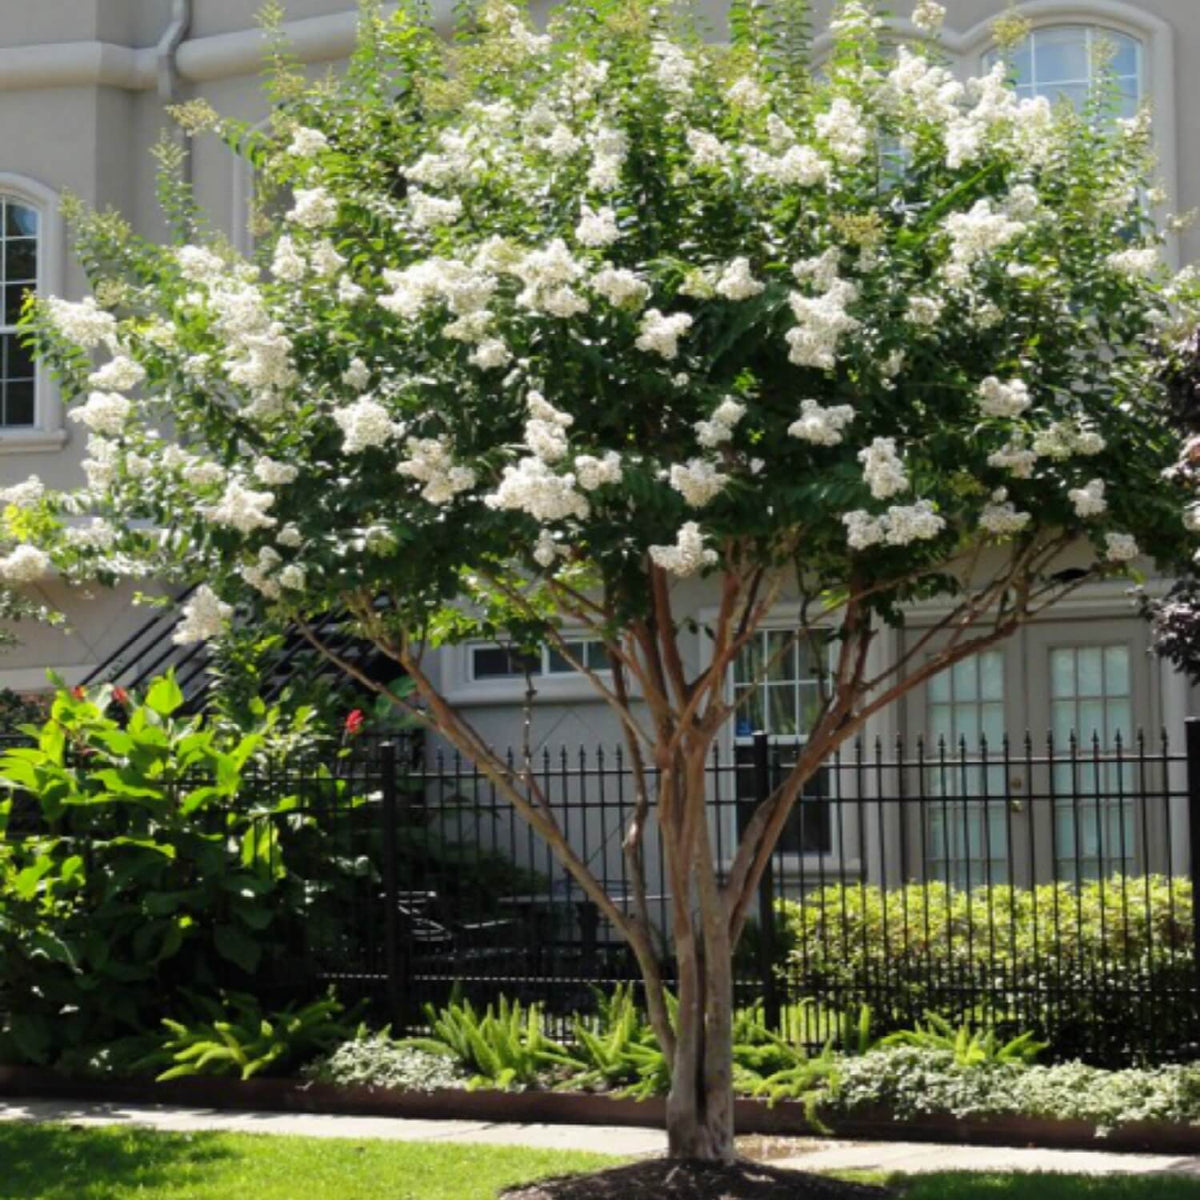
121, 696
78, 692
354, 721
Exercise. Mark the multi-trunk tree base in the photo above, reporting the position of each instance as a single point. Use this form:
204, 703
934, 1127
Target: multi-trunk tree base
684, 1179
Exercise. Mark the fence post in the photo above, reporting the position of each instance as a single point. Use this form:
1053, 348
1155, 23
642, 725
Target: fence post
766, 892
1192, 725
391, 897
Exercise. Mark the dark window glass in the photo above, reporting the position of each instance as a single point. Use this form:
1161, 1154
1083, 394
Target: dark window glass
18, 275
808, 828
18, 403
591, 653
19, 220
499, 662
20, 261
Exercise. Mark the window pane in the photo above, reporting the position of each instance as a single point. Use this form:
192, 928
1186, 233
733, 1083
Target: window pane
498, 662
749, 714
17, 362
1125, 54
14, 298
965, 676
19, 221
991, 675
1061, 55
749, 662
18, 404
781, 656
1091, 677
597, 656
781, 702
20, 261
1116, 670
939, 688
1062, 672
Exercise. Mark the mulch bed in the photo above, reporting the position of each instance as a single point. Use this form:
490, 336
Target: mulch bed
666, 1179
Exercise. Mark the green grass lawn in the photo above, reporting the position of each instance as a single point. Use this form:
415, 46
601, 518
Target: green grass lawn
970, 1185
56, 1162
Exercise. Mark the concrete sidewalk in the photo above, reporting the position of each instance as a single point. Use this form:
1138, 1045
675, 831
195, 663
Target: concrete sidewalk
808, 1154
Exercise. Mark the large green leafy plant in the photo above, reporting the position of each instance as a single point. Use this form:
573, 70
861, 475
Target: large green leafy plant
546, 328
132, 864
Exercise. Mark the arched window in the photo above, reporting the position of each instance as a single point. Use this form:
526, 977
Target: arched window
32, 243
20, 235
1065, 61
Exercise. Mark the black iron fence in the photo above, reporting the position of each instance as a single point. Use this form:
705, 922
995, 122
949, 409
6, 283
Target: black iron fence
1027, 885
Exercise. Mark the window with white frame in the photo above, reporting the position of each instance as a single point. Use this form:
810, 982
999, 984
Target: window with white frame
20, 233
1066, 61
490, 661
777, 686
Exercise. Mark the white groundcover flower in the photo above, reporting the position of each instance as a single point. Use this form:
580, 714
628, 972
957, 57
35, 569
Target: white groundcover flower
689, 554
205, 616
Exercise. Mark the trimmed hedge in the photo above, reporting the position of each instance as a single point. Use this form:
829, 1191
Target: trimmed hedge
1102, 970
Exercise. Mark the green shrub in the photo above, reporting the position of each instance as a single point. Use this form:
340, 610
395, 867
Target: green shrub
1072, 963
144, 871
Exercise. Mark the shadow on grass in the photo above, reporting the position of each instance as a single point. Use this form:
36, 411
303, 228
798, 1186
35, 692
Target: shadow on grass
63, 1162
970, 1185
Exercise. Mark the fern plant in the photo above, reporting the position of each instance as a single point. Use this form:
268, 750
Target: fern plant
970, 1047
618, 1048
505, 1047
239, 1039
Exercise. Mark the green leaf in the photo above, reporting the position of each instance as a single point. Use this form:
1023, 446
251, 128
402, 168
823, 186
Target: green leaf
164, 696
235, 947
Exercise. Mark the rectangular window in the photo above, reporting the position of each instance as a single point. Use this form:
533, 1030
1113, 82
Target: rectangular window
1091, 700
18, 276
504, 662
777, 679
966, 831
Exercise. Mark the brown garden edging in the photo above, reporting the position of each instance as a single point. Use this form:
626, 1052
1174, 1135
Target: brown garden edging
582, 1108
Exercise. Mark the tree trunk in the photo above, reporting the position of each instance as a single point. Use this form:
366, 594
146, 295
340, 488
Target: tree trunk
700, 1102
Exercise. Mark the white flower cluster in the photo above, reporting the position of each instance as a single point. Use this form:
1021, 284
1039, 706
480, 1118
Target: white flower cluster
821, 426
998, 399
976, 234
199, 265
274, 474
698, 481
314, 208
928, 16
205, 616
431, 462
548, 274
1135, 263
84, 323
1065, 439
1120, 547
546, 429
900, 525
465, 290
689, 554
610, 148
672, 68
97, 534
883, 472
259, 573
1000, 517
306, 142
23, 565
843, 131
747, 93
104, 412
592, 472
1015, 457
660, 334
708, 151
357, 375
241, 508
532, 487
258, 350
24, 494
923, 311
119, 374
597, 227
821, 322
430, 212
622, 288
1089, 500
364, 423
547, 549
736, 281
718, 429
288, 265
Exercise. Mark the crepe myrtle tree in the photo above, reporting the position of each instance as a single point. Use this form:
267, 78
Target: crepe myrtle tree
541, 325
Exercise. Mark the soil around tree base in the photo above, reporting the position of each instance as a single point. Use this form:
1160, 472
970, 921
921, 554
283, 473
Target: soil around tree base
675, 1179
